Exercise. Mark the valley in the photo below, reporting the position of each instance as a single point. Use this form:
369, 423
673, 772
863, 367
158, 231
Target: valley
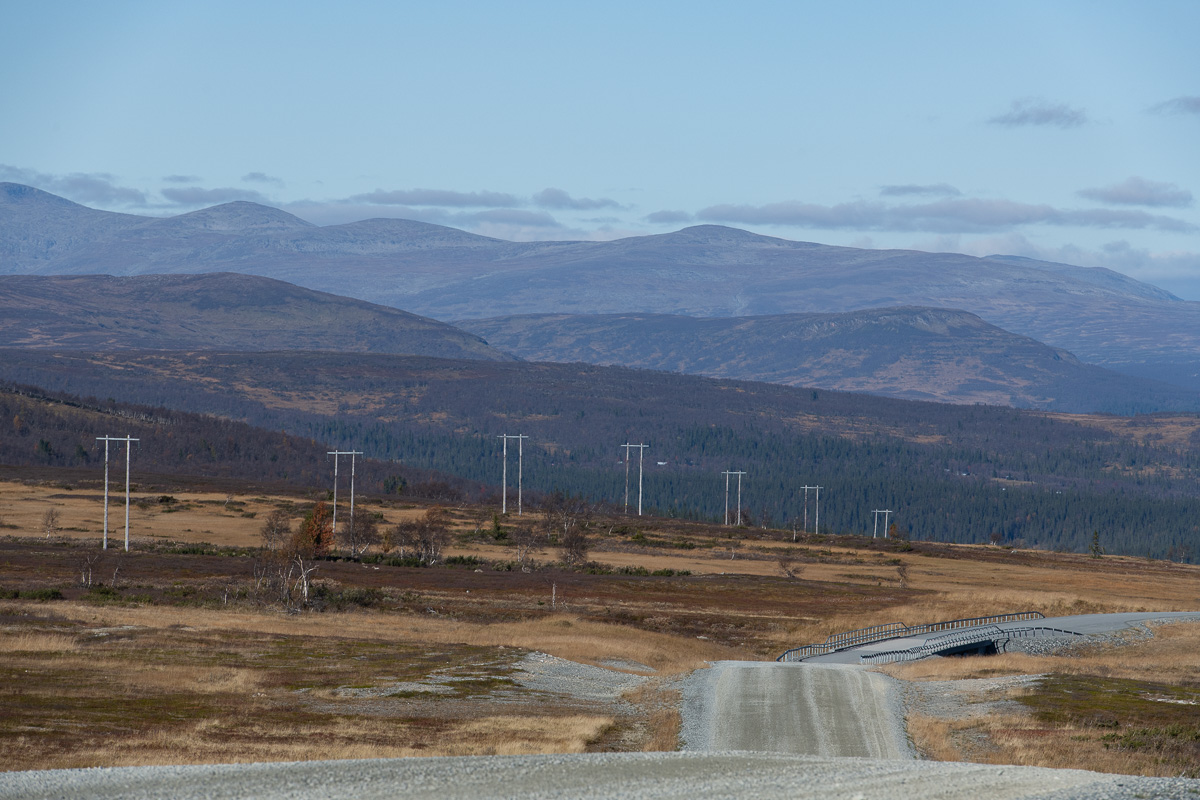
960, 394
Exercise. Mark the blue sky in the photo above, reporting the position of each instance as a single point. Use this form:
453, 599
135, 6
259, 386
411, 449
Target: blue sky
1059, 130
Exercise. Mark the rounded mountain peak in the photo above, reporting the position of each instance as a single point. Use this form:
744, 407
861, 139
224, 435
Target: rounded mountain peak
239, 215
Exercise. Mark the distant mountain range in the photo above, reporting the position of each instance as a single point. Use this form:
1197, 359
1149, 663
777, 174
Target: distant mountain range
214, 311
934, 354
708, 271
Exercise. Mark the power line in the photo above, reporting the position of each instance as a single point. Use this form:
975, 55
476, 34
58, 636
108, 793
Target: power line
128, 446
641, 452
727, 473
818, 524
520, 459
877, 512
336, 454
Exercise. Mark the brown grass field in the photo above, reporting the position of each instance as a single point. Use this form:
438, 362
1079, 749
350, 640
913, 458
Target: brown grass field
171, 657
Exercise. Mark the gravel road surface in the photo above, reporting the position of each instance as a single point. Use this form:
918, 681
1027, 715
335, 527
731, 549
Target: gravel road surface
628, 776
794, 708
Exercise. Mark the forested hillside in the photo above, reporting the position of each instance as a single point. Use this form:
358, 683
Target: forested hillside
55, 431
215, 311
950, 473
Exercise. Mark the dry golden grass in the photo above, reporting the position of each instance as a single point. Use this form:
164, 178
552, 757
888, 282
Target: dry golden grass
663, 720
1017, 737
509, 735
157, 690
934, 737
37, 643
1021, 740
216, 741
194, 517
562, 635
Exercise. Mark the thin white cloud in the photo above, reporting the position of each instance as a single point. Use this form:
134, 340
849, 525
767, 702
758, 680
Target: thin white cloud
181, 179
436, 197
1140, 192
911, 189
196, 196
262, 177
1040, 113
96, 188
946, 216
560, 200
1178, 105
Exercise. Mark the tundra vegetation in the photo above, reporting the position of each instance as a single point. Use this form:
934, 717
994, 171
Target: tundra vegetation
241, 628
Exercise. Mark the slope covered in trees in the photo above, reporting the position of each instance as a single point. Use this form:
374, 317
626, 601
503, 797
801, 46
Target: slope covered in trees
50, 431
215, 311
951, 473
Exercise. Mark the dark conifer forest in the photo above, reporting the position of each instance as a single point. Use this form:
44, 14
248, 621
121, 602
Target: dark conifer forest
949, 472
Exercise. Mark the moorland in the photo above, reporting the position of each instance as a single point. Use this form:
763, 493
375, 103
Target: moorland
182, 651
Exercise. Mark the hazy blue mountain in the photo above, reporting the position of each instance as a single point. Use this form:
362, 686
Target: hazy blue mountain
213, 311
911, 353
709, 271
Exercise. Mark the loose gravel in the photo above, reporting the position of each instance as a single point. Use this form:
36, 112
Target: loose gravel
619, 776
541, 672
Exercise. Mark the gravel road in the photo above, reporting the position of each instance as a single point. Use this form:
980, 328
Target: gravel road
628, 776
794, 708
804, 719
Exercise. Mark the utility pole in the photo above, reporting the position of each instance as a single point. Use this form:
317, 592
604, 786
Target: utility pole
128, 446
641, 452
806, 488
877, 512
817, 523
336, 454
520, 468
727, 473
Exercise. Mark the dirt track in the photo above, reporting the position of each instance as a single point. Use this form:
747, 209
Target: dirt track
795, 708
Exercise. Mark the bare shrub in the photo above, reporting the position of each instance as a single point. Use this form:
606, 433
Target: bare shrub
788, 564
50, 523
424, 538
387, 540
359, 534
87, 566
285, 570
566, 518
525, 539
276, 529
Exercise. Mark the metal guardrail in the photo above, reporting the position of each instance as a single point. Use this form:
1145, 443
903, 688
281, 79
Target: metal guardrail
949, 641
897, 630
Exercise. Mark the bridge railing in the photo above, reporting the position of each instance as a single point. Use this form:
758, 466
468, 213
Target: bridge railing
950, 641
897, 630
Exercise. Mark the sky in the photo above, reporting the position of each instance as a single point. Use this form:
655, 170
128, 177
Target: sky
1067, 131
